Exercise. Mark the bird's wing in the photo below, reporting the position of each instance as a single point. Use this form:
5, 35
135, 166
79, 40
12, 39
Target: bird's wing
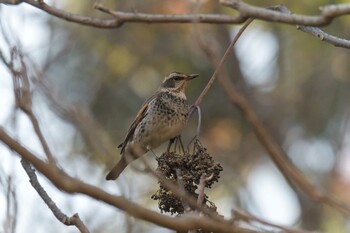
140, 115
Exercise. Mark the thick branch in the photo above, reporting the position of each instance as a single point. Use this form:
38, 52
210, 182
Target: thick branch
304, 22
328, 13
122, 17
71, 185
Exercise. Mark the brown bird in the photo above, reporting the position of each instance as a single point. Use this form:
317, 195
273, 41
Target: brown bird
162, 117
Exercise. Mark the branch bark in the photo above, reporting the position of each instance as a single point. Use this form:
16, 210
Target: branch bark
327, 14
305, 23
71, 185
74, 220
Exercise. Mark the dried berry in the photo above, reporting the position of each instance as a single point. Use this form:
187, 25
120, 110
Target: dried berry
189, 167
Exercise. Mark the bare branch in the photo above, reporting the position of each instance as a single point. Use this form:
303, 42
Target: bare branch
124, 17
11, 2
315, 31
85, 20
74, 220
240, 215
276, 152
328, 13
218, 67
119, 17
23, 97
71, 185
303, 22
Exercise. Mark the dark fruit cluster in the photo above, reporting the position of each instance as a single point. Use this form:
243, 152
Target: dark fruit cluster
185, 171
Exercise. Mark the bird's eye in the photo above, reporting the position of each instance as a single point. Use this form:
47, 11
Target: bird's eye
177, 78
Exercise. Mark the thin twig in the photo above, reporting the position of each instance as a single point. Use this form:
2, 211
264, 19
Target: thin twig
119, 17
277, 154
218, 67
240, 215
74, 220
180, 193
23, 96
10, 222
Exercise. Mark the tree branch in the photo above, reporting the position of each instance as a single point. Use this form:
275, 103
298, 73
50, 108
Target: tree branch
240, 215
74, 220
119, 17
23, 96
85, 20
303, 22
275, 151
71, 185
315, 31
219, 66
328, 13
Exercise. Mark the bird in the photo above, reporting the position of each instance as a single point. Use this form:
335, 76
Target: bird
162, 117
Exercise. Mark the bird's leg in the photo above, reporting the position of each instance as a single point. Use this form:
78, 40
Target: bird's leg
171, 141
180, 144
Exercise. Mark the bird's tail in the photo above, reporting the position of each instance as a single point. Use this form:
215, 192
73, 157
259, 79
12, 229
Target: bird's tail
117, 169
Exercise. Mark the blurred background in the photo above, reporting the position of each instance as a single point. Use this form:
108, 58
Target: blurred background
88, 84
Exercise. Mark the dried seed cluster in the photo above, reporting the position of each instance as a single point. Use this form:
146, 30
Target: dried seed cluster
185, 171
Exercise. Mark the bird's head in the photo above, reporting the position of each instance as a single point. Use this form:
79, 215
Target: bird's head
177, 81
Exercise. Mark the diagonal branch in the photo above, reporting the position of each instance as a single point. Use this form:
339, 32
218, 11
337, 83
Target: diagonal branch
71, 185
219, 66
275, 151
315, 31
74, 220
240, 215
23, 96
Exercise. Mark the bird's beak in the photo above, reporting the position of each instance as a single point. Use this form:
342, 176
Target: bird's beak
192, 76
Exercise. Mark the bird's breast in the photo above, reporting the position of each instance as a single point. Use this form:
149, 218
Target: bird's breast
165, 119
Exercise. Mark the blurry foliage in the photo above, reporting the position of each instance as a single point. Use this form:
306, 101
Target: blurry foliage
114, 71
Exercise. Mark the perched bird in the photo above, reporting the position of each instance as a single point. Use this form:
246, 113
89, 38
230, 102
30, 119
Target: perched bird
162, 117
